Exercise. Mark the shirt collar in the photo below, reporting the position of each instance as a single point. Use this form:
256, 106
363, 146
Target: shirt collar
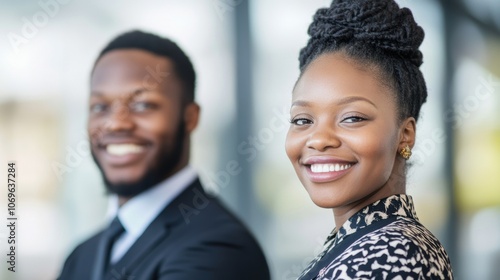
395, 205
138, 213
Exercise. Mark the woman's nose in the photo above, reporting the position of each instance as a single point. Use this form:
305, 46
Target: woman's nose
322, 138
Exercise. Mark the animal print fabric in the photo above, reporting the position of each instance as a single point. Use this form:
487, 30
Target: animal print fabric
403, 249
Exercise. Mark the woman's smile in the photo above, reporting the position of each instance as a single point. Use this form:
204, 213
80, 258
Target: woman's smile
322, 169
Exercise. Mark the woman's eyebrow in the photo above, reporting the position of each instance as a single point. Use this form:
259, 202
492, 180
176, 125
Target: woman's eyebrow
342, 101
351, 99
301, 103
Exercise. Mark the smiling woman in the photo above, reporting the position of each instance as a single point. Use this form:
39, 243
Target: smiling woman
353, 124
343, 118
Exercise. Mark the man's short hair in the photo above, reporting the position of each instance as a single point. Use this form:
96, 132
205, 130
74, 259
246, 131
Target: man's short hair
160, 46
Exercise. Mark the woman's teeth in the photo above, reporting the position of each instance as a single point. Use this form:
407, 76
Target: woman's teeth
329, 167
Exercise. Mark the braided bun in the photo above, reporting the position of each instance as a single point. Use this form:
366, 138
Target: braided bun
377, 32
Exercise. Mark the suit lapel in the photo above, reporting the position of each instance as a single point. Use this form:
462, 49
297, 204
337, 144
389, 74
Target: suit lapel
99, 261
155, 233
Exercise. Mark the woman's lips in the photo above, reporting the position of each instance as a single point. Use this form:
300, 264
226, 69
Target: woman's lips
326, 176
323, 169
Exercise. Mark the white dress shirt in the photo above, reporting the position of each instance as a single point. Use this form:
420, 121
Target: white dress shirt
140, 211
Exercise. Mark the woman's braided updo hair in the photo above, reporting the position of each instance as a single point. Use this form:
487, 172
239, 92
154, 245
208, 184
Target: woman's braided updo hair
375, 33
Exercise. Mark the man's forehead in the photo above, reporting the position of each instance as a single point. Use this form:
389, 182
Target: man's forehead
130, 93
132, 61
131, 65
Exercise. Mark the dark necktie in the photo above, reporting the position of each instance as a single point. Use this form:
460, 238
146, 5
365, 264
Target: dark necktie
104, 250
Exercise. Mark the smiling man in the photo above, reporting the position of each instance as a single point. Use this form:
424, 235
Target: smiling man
141, 115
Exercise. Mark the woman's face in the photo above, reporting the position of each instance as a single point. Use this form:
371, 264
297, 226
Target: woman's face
344, 137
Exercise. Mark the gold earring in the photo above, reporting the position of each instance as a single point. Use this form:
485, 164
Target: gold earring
406, 152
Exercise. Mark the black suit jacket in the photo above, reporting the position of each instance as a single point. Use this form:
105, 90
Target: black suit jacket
194, 237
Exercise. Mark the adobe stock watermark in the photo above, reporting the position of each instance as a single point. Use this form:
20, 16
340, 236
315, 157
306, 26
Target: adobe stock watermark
123, 275
296, 270
456, 117
222, 7
32, 25
154, 78
248, 149
74, 156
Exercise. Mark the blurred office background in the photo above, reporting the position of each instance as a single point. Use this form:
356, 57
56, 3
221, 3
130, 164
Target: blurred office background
245, 54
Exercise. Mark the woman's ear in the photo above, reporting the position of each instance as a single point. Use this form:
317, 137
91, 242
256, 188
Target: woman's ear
407, 133
191, 116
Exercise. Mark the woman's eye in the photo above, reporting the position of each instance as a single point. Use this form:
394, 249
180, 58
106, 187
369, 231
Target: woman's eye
353, 119
301, 121
98, 108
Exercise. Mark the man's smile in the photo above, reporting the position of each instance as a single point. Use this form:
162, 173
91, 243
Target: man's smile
124, 149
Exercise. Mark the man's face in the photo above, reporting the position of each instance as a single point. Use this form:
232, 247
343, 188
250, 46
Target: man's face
136, 120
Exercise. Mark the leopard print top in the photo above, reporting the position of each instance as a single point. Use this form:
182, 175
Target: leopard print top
402, 249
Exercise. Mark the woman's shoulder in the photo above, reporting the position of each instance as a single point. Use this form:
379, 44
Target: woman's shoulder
402, 248
406, 231
406, 238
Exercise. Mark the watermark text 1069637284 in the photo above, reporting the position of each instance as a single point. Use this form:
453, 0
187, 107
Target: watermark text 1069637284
11, 216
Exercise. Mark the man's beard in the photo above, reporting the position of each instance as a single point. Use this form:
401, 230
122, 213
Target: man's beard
164, 164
